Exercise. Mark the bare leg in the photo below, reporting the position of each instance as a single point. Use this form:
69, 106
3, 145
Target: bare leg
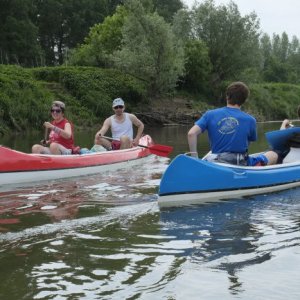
125, 142
102, 141
37, 149
272, 157
54, 149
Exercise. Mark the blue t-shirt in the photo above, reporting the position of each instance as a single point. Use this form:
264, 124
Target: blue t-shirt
229, 129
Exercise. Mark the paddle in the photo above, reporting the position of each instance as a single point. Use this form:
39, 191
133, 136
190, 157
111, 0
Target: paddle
157, 149
44, 141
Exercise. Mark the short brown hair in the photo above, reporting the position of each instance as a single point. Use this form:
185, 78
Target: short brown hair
237, 93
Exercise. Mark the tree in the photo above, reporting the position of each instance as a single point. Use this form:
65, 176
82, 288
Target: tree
232, 40
197, 62
266, 49
167, 8
103, 39
281, 58
294, 60
150, 49
18, 35
276, 71
197, 66
182, 25
63, 24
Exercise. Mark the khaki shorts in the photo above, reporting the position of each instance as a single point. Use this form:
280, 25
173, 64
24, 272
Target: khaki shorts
63, 150
229, 158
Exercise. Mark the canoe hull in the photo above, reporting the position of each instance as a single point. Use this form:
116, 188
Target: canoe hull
17, 167
189, 181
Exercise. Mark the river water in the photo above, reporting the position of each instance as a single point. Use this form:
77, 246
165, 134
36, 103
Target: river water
104, 237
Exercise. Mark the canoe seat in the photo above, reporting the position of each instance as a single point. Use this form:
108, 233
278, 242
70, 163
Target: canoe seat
292, 156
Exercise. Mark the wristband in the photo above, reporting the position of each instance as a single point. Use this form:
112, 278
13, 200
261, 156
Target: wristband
56, 130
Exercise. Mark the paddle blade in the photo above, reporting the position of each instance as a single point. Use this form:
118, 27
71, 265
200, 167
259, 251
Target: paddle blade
160, 150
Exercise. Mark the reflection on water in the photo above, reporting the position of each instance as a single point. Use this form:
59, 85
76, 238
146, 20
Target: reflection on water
104, 237
137, 252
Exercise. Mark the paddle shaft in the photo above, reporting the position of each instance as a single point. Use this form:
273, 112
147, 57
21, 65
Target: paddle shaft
44, 141
110, 138
46, 134
160, 150
278, 121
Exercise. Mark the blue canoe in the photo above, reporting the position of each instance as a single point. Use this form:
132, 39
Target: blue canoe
189, 180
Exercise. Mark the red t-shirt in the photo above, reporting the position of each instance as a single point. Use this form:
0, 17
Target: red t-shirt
54, 137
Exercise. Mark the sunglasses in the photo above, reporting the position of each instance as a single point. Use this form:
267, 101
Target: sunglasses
119, 106
56, 111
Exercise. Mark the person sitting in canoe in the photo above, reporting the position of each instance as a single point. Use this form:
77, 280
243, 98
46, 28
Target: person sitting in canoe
230, 130
121, 125
61, 137
292, 152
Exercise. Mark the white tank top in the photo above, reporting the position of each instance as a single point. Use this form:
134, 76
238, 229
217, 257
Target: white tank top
124, 128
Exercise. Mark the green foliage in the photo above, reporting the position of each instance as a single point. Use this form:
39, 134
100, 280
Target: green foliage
232, 40
167, 8
276, 71
197, 65
274, 101
267, 101
137, 41
23, 101
182, 25
250, 75
18, 34
26, 95
103, 39
150, 50
200, 52
95, 88
64, 24
35, 33
135, 36
281, 59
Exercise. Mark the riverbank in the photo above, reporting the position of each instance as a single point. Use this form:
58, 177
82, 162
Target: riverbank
26, 95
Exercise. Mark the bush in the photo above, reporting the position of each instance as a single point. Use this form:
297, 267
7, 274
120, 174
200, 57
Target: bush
26, 94
274, 101
95, 87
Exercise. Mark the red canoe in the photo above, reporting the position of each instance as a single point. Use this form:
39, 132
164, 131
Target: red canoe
19, 167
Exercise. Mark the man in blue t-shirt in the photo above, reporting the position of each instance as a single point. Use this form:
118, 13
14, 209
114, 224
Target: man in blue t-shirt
230, 131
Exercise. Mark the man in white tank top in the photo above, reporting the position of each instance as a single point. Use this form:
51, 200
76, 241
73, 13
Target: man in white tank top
121, 128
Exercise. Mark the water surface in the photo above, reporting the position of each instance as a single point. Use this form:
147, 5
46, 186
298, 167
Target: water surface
104, 237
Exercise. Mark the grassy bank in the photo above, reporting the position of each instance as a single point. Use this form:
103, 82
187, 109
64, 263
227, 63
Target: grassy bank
26, 95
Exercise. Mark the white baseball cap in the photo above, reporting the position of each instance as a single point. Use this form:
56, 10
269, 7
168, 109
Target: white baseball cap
118, 101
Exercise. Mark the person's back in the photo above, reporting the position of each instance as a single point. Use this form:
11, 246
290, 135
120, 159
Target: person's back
229, 129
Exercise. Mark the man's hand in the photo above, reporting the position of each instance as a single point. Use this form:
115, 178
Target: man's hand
286, 124
135, 142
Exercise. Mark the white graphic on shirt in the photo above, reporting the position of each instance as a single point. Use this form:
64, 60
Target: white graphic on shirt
228, 125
